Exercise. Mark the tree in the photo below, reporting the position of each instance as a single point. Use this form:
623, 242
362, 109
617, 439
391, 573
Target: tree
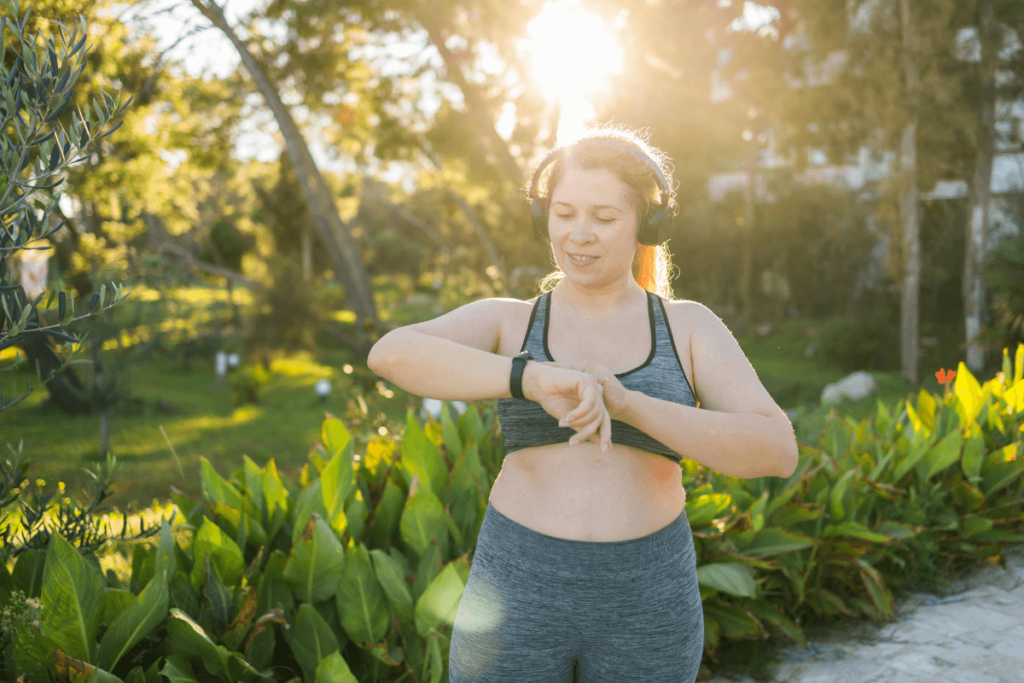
39, 83
335, 234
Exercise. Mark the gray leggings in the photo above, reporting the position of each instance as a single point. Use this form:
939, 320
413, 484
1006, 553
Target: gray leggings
543, 609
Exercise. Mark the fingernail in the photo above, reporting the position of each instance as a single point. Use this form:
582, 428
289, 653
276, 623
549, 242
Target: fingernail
604, 448
572, 442
562, 422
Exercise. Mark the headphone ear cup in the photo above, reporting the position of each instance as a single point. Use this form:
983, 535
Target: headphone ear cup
655, 229
539, 218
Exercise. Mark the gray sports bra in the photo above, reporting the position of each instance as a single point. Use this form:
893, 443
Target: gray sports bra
524, 423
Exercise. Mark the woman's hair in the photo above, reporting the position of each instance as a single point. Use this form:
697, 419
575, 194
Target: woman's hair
652, 264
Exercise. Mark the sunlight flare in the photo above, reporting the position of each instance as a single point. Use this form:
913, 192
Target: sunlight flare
572, 53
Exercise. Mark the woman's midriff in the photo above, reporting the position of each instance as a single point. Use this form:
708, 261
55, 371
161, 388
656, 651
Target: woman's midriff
579, 493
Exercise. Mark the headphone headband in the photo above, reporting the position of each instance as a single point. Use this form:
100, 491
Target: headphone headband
651, 227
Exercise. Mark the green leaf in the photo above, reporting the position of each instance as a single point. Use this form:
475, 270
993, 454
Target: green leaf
32, 654
854, 530
336, 479
178, 670
166, 559
974, 455
775, 541
918, 449
216, 489
147, 611
190, 641
334, 669
116, 600
945, 453
311, 639
225, 553
364, 613
976, 525
873, 581
440, 601
732, 619
27, 574
392, 580
72, 600
315, 563
729, 577
896, 530
702, 509
836, 496
420, 457
968, 391
311, 500
386, 516
356, 512
422, 520
1001, 475
452, 440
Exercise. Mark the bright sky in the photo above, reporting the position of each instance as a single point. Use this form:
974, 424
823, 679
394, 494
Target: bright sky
578, 52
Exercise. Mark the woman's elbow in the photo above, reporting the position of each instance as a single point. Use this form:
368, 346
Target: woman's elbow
788, 462
376, 359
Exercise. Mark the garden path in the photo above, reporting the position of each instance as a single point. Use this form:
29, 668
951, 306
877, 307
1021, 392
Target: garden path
973, 635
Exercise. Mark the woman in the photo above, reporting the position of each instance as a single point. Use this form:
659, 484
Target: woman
584, 567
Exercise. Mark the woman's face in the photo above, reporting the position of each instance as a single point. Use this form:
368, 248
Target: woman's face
590, 215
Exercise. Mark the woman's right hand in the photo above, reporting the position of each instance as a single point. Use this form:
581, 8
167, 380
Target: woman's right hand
560, 390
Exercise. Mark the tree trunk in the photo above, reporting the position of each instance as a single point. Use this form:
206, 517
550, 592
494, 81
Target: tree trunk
306, 244
334, 233
474, 101
973, 285
911, 290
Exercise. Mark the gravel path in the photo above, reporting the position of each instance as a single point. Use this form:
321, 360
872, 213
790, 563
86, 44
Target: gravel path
974, 635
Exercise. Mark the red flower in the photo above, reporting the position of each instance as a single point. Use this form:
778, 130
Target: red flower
945, 376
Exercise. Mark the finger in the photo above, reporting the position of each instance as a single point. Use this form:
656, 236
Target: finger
587, 431
592, 394
606, 431
585, 418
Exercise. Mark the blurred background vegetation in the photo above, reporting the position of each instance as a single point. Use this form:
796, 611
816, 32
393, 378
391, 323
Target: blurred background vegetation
292, 180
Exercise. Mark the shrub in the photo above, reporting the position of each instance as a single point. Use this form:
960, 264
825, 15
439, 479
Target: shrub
247, 382
857, 343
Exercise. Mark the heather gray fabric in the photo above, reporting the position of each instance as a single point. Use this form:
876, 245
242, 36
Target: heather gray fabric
543, 609
524, 423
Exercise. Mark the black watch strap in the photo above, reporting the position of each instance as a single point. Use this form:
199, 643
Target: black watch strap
515, 381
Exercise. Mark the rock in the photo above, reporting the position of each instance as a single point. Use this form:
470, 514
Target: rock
810, 350
854, 387
763, 330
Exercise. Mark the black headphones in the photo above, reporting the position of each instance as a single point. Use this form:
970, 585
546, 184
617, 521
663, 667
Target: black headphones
653, 226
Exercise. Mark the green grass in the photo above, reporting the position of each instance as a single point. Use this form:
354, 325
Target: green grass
283, 425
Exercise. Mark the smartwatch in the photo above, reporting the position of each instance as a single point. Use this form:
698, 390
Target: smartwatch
515, 382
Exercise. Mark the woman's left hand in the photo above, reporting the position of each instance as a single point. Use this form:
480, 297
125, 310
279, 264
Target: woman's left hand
616, 396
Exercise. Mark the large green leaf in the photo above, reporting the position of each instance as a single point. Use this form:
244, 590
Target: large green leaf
115, 602
215, 488
364, 613
702, 509
311, 639
422, 520
316, 562
420, 457
356, 513
452, 438
732, 619
838, 493
729, 577
275, 497
134, 623
386, 516
225, 553
31, 653
440, 601
166, 559
392, 580
944, 454
334, 669
854, 530
72, 600
27, 574
1001, 475
336, 479
271, 588
311, 501
918, 449
974, 455
77, 671
178, 670
254, 486
775, 541
190, 642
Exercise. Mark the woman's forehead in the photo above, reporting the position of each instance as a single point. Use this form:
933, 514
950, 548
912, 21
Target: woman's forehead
590, 186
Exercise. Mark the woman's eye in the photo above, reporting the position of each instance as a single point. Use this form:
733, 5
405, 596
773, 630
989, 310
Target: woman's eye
605, 220
564, 216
